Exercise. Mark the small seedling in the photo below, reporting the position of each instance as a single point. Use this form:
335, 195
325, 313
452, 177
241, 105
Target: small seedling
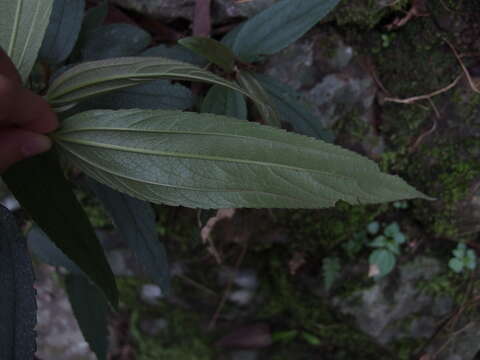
463, 259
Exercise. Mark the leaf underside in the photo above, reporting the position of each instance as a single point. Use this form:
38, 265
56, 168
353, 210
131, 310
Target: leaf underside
17, 300
22, 27
209, 161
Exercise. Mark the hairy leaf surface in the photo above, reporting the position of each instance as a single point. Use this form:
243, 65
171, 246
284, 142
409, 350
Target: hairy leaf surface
216, 52
278, 26
22, 27
63, 30
223, 101
135, 220
17, 300
100, 77
210, 161
51, 203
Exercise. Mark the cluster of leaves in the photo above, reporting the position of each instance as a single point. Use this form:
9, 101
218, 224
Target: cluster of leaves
151, 151
463, 259
387, 247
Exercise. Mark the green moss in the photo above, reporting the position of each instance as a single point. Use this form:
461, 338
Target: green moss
365, 13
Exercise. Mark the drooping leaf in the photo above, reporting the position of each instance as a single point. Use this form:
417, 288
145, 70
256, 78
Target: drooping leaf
91, 311
22, 27
175, 52
104, 76
280, 25
63, 30
135, 220
40, 187
255, 89
94, 18
114, 40
213, 50
158, 94
17, 300
293, 110
384, 260
211, 161
223, 101
48, 252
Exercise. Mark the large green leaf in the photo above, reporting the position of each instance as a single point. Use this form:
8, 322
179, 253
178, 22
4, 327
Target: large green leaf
211, 161
216, 52
135, 220
176, 52
268, 114
278, 26
293, 110
22, 27
100, 77
17, 299
91, 312
40, 187
223, 101
63, 30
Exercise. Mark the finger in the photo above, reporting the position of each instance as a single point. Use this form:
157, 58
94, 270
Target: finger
22, 108
7, 68
18, 144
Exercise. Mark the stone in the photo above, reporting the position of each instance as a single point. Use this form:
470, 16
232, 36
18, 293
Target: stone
153, 327
223, 10
241, 297
151, 294
393, 309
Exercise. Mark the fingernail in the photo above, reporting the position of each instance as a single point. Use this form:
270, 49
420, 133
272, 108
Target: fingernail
36, 144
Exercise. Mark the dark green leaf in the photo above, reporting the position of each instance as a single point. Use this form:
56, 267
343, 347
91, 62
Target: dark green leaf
256, 90
62, 31
40, 187
229, 39
223, 101
211, 161
114, 40
214, 51
278, 26
158, 94
48, 252
331, 270
93, 19
104, 76
91, 311
135, 220
176, 53
17, 300
293, 110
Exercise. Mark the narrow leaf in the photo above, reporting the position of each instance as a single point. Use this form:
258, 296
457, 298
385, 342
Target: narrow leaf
213, 50
279, 26
48, 252
51, 202
293, 110
17, 300
256, 90
211, 161
91, 311
63, 30
100, 77
158, 94
223, 101
135, 220
22, 27
114, 40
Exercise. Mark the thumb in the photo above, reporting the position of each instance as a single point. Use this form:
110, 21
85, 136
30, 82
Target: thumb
18, 144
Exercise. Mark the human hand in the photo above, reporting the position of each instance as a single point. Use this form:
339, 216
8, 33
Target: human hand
24, 118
